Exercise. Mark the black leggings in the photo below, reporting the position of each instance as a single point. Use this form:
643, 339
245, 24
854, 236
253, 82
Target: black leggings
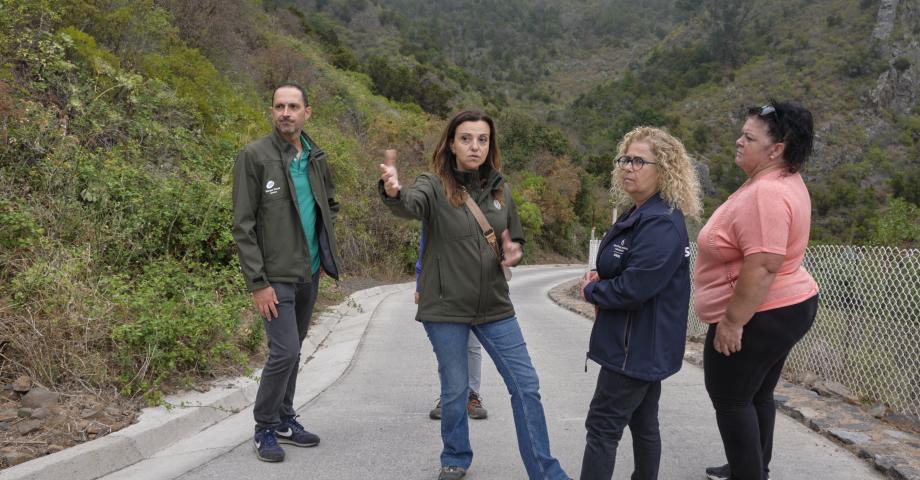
741, 385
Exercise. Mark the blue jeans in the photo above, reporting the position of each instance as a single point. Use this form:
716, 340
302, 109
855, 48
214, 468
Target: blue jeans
505, 344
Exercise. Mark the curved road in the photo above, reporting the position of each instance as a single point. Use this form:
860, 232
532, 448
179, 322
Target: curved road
374, 420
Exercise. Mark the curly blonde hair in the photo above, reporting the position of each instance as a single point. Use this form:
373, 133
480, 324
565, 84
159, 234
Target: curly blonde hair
678, 182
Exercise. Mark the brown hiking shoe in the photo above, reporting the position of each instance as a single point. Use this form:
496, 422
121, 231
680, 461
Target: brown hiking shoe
474, 407
435, 413
451, 473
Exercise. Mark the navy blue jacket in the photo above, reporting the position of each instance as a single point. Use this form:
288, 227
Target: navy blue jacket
644, 293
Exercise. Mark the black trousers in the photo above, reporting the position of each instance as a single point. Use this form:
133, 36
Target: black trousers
285, 335
620, 401
741, 385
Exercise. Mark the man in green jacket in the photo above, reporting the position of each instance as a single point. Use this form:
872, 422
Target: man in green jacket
283, 215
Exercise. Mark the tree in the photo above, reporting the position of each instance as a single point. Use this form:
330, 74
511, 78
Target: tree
726, 19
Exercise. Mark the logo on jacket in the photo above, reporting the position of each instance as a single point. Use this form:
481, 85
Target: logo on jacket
620, 248
270, 188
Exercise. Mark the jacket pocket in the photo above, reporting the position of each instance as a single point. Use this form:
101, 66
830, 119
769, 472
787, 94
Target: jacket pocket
626, 334
458, 285
440, 278
281, 235
653, 345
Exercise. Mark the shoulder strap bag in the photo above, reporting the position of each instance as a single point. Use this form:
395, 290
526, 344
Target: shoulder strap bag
488, 232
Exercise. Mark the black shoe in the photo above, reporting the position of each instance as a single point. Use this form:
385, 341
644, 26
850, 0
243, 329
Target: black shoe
292, 432
267, 448
435, 413
720, 473
452, 473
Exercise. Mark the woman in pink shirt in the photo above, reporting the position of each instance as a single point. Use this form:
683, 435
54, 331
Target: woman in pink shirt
750, 287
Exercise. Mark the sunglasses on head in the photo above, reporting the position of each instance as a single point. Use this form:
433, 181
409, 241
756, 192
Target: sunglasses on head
766, 110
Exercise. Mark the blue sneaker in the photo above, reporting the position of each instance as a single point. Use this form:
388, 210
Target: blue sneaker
267, 448
292, 432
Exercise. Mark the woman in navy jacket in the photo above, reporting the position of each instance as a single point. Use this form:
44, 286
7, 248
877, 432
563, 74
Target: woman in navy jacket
641, 291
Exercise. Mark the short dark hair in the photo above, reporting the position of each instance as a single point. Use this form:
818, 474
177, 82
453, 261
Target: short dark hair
791, 124
303, 92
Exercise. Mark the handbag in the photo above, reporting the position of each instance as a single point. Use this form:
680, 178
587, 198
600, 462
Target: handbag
488, 232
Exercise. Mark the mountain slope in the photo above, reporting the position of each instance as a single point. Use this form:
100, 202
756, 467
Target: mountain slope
821, 53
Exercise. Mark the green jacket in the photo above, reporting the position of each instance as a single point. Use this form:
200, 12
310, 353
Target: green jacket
266, 216
461, 280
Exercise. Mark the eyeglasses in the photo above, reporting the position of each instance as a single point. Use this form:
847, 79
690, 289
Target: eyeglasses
766, 110
636, 162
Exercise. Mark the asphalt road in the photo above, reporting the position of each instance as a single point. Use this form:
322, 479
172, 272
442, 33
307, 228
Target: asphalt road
374, 420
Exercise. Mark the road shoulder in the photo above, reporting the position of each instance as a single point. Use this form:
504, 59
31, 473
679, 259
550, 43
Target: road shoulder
890, 450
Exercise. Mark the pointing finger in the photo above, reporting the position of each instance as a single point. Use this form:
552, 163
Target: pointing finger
389, 157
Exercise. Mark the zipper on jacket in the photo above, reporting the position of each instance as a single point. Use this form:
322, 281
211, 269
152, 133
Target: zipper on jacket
474, 225
629, 319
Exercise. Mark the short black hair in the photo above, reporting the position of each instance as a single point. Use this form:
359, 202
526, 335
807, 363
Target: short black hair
791, 124
303, 92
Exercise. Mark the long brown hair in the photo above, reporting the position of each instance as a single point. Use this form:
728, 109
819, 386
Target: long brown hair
444, 162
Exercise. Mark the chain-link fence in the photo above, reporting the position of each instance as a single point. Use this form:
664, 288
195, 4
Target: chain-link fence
867, 333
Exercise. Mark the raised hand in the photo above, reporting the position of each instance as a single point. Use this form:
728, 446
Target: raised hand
388, 173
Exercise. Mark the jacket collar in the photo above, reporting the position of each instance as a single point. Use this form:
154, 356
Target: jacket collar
280, 143
287, 150
485, 178
653, 203
469, 180
628, 219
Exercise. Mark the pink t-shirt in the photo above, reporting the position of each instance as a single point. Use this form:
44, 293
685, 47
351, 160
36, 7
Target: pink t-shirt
770, 214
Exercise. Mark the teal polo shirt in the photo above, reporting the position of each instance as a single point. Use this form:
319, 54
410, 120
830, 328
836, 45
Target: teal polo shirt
305, 201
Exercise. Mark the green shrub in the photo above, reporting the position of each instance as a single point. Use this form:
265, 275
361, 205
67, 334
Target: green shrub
18, 227
180, 318
58, 322
899, 225
531, 218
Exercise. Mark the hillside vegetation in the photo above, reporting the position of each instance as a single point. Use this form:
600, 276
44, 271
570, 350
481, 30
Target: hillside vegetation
118, 266
120, 120
591, 70
822, 53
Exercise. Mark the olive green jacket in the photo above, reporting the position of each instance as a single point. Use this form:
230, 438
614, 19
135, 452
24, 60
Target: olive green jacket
461, 280
266, 216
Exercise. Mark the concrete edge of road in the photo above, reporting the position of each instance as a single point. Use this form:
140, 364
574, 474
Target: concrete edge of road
185, 413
